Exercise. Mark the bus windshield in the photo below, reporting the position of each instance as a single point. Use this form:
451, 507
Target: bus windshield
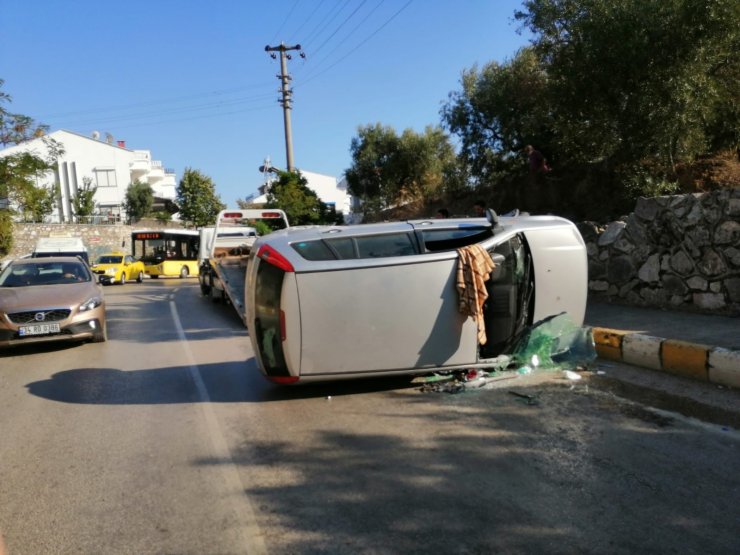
154, 247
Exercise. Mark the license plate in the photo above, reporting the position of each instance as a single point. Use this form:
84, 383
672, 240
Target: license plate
38, 329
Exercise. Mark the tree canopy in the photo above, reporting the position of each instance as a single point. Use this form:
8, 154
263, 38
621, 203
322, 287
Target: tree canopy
19, 172
389, 169
83, 202
138, 201
197, 199
290, 192
615, 93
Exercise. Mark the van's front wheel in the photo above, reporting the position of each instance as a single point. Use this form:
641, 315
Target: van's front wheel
184, 272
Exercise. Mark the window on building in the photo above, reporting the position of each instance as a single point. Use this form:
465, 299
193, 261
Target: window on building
105, 178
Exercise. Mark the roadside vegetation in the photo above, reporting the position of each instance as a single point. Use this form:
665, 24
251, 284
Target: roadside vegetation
624, 98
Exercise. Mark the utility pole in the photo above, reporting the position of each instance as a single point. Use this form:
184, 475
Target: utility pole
287, 94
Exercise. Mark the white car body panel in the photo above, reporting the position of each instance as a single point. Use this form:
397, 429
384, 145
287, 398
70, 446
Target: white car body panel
358, 317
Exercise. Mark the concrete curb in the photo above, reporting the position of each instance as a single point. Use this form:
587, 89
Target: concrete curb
680, 358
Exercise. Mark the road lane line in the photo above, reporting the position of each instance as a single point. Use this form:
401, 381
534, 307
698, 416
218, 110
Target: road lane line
252, 536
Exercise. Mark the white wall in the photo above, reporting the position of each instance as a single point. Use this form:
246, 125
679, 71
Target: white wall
108, 165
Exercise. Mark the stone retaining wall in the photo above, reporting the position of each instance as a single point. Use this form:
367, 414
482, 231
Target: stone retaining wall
679, 251
99, 239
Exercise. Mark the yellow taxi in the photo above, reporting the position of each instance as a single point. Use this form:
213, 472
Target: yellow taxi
118, 267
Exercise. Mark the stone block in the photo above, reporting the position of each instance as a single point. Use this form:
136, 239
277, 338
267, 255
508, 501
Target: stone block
732, 285
620, 269
612, 233
724, 367
642, 350
711, 264
709, 301
681, 263
650, 271
727, 233
685, 359
697, 283
599, 286
608, 342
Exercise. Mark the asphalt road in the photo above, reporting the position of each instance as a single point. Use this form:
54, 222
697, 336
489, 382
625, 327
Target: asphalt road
166, 439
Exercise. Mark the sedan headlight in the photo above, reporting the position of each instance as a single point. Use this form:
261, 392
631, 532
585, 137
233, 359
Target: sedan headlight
110, 272
91, 303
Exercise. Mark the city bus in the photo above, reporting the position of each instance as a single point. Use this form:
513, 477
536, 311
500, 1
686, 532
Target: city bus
167, 252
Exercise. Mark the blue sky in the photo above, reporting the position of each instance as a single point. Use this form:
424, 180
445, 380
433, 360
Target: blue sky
191, 81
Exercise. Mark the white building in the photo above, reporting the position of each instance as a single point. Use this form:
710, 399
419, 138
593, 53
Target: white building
112, 167
326, 187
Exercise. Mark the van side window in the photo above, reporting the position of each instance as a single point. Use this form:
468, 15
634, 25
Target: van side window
451, 239
314, 250
344, 246
380, 246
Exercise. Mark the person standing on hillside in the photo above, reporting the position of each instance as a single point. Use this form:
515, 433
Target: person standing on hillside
539, 189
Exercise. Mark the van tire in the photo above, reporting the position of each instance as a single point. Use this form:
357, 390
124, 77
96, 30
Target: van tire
100, 335
184, 272
123, 278
140, 277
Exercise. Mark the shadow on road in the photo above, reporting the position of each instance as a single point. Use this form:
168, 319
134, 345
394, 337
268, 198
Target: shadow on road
226, 382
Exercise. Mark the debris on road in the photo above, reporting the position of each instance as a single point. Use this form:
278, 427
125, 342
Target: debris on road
555, 342
530, 399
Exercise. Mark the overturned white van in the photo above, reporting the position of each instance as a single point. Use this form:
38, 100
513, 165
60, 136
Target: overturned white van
381, 299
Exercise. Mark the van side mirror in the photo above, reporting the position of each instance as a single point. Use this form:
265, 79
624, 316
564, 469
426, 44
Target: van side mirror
492, 217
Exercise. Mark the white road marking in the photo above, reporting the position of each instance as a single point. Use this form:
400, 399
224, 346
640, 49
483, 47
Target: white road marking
242, 506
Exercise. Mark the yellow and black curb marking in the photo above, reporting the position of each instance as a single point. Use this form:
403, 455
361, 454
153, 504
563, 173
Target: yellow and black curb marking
682, 358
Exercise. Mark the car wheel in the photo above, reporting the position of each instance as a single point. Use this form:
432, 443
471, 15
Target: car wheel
140, 277
212, 293
123, 279
204, 289
100, 335
184, 272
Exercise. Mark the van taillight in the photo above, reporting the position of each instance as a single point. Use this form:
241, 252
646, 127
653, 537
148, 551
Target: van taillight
283, 380
268, 254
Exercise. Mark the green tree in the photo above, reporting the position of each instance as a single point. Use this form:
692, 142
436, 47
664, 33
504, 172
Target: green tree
139, 200
500, 109
196, 196
83, 202
21, 173
388, 169
290, 193
632, 80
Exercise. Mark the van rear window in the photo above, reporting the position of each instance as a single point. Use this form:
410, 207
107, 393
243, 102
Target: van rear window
363, 246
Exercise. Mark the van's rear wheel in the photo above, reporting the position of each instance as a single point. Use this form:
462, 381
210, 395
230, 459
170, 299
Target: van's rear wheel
140, 277
184, 272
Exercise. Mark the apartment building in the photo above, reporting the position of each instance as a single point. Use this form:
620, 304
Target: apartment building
108, 164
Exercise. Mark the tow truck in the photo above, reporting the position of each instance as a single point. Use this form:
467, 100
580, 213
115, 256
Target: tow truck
225, 250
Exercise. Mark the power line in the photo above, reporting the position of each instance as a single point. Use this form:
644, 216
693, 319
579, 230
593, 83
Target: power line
144, 115
204, 116
315, 75
302, 25
284, 21
349, 34
152, 102
321, 26
340, 26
